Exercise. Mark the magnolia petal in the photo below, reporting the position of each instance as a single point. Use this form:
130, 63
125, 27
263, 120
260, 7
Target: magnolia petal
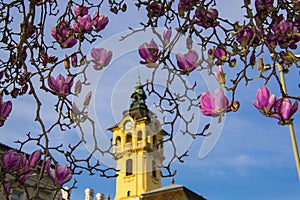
95, 52
220, 100
263, 96
294, 108
181, 61
34, 158
5, 109
107, 59
191, 56
206, 103
167, 35
64, 174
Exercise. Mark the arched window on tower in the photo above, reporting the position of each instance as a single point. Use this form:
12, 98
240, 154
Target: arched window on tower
118, 143
128, 167
153, 168
154, 142
140, 135
128, 141
140, 139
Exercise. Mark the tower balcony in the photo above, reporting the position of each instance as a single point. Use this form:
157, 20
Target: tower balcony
128, 146
139, 145
118, 149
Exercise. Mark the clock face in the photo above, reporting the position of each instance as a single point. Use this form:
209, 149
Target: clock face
128, 125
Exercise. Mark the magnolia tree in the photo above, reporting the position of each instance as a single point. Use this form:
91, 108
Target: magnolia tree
32, 64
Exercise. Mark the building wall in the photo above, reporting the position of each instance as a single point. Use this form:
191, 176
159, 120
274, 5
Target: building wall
142, 151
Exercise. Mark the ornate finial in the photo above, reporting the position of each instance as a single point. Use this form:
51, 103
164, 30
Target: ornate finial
138, 83
172, 180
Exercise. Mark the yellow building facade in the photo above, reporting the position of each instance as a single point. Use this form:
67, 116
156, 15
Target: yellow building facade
138, 148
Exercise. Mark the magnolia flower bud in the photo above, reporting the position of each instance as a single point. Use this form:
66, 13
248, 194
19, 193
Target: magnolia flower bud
189, 43
260, 65
87, 99
78, 87
66, 62
220, 76
166, 36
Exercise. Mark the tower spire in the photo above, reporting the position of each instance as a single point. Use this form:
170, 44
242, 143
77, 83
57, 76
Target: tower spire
138, 82
138, 107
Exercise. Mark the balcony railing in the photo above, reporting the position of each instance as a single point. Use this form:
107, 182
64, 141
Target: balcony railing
118, 149
139, 144
128, 145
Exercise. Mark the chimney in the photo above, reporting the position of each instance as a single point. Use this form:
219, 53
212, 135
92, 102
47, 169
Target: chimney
89, 194
99, 196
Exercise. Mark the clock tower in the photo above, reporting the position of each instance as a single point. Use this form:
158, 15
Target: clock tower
138, 148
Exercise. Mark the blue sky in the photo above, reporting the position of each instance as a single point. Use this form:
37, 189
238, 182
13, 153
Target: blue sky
253, 158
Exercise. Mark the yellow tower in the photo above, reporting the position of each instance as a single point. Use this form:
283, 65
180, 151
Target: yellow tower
138, 149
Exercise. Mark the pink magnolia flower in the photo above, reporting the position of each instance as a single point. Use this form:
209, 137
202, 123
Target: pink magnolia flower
80, 10
19, 165
187, 62
264, 102
284, 110
23, 163
219, 53
34, 158
220, 76
99, 21
64, 174
11, 160
61, 85
101, 56
217, 105
83, 23
207, 18
245, 36
5, 109
150, 53
285, 34
64, 34
60, 175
